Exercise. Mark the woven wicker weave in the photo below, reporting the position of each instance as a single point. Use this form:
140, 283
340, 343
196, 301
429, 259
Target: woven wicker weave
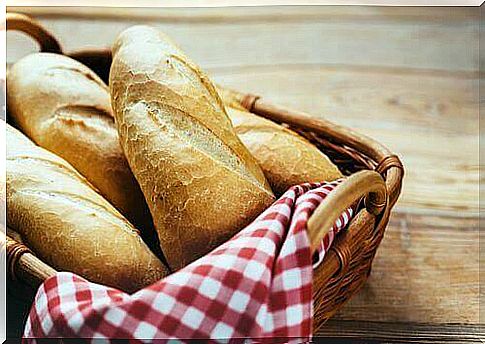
375, 174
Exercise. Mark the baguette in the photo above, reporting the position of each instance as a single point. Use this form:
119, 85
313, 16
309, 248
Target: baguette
200, 182
70, 226
65, 108
286, 158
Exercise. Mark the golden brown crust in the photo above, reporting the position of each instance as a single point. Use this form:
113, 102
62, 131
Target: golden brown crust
231, 98
64, 107
68, 225
200, 182
286, 158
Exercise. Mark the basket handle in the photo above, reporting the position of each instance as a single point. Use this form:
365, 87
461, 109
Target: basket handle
368, 184
29, 26
23, 265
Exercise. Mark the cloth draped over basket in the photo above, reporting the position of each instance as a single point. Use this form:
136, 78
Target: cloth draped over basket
258, 285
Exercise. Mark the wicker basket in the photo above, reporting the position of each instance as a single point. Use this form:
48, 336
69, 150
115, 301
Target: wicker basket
375, 174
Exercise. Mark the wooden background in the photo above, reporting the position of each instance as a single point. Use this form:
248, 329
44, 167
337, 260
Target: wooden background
405, 76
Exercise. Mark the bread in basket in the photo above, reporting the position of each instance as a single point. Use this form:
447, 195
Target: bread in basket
375, 175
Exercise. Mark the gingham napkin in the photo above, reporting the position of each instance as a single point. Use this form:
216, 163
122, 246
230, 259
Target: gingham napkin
256, 286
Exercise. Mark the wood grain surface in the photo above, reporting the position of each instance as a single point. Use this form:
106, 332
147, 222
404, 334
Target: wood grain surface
405, 76
358, 332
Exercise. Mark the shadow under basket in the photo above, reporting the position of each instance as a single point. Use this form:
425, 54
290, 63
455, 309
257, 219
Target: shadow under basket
375, 175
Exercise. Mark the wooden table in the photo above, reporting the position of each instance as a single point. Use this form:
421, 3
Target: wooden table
405, 76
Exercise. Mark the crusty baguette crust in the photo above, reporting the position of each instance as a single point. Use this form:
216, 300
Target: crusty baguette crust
200, 182
70, 226
286, 158
64, 107
230, 98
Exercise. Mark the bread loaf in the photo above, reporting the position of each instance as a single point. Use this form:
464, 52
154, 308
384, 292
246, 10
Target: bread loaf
286, 158
64, 107
70, 226
201, 183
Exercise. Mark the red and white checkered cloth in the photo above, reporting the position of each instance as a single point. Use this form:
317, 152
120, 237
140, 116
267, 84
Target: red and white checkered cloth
257, 286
